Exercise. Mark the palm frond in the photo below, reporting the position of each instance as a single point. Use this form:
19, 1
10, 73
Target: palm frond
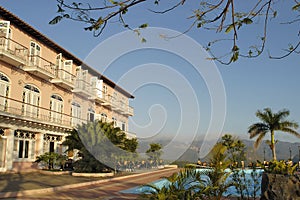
281, 114
291, 131
257, 129
289, 124
259, 139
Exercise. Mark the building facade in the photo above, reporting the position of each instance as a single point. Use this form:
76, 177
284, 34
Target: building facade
45, 91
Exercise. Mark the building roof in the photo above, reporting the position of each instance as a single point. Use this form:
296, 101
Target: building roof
5, 14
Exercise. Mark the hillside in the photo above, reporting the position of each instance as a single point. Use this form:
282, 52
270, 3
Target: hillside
191, 153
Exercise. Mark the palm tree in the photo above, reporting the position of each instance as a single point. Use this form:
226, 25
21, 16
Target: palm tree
272, 122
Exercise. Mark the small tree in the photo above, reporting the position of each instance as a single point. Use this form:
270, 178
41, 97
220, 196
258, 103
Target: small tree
272, 122
98, 141
235, 149
154, 152
216, 184
51, 159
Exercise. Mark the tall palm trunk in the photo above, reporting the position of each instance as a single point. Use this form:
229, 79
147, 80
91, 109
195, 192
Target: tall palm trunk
273, 145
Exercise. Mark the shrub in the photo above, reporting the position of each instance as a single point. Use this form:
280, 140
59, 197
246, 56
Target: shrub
280, 167
52, 159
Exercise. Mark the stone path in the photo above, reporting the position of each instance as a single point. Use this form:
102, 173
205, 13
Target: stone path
106, 190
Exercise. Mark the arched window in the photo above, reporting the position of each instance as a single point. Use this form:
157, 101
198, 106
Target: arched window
4, 91
103, 117
76, 114
114, 120
31, 101
91, 115
56, 107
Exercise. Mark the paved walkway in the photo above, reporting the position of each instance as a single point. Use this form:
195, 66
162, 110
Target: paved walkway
105, 189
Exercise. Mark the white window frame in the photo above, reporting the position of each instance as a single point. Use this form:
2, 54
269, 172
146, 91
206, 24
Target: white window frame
5, 28
76, 114
59, 65
91, 115
31, 101
123, 126
4, 91
35, 53
67, 70
115, 121
56, 107
103, 117
30, 150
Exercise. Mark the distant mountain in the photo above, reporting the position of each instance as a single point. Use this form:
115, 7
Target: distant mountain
283, 150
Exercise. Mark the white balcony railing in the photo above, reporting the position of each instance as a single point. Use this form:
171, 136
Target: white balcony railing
64, 79
28, 112
13, 52
40, 67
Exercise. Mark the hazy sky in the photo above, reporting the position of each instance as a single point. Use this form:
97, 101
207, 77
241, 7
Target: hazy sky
163, 104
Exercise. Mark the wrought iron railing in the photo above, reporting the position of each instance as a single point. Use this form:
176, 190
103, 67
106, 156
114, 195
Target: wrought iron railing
26, 111
42, 64
65, 76
13, 48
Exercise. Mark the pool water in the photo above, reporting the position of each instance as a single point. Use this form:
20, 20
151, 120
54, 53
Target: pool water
231, 191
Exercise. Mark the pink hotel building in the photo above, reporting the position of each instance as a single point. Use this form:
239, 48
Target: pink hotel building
46, 91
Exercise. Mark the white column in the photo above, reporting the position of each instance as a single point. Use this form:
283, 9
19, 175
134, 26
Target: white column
9, 158
39, 144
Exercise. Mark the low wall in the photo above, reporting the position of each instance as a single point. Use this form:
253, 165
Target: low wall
55, 172
93, 174
279, 187
170, 166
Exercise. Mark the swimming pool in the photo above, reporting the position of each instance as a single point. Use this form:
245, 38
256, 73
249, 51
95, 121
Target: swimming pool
252, 185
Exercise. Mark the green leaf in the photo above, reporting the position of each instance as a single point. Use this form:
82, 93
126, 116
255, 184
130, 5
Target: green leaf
229, 28
113, 2
235, 56
90, 28
60, 10
55, 20
247, 21
143, 26
124, 11
235, 48
250, 53
296, 7
66, 16
143, 40
75, 4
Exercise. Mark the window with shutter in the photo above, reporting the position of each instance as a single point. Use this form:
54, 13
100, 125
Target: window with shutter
4, 34
59, 65
56, 107
4, 92
76, 113
34, 54
67, 73
31, 101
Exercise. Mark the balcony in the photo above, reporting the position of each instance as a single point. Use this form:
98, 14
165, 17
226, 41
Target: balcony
13, 52
107, 100
64, 79
32, 116
116, 105
129, 111
40, 67
82, 88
